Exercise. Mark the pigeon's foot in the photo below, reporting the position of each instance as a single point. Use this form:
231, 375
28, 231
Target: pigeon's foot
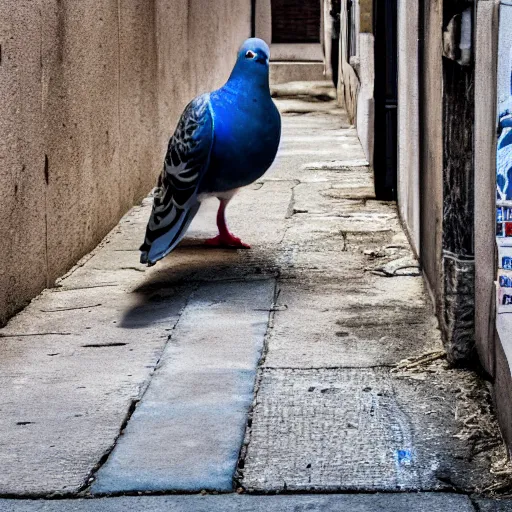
227, 240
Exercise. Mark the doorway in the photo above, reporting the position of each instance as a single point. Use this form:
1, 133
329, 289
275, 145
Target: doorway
296, 22
386, 99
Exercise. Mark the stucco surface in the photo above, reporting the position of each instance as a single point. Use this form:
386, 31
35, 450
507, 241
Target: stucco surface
91, 91
365, 100
431, 150
22, 180
408, 121
485, 179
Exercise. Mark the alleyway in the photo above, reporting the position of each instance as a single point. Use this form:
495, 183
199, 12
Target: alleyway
310, 363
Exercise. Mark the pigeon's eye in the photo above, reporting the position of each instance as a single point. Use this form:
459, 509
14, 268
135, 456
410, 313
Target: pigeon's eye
250, 55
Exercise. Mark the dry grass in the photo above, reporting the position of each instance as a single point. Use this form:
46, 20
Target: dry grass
474, 413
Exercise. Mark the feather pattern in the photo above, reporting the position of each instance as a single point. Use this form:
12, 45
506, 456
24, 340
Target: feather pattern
175, 196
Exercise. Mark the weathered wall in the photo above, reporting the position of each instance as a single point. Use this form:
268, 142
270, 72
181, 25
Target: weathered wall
365, 112
431, 144
458, 206
348, 81
502, 392
408, 121
447, 179
485, 179
89, 93
356, 84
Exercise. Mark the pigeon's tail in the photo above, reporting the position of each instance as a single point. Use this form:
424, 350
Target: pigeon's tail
175, 200
163, 234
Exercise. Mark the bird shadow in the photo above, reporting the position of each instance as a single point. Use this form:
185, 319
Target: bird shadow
161, 297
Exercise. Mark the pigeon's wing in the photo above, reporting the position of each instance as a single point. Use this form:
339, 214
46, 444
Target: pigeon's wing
175, 197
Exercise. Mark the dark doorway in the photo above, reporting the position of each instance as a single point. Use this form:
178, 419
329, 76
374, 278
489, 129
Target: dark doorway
386, 99
295, 21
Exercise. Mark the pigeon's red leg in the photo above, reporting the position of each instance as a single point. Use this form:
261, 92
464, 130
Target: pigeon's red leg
225, 238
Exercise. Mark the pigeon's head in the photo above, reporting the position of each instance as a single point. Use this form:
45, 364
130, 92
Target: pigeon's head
251, 67
254, 53
252, 63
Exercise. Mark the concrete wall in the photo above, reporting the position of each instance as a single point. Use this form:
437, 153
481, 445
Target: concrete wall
90, 92
348, 81
356, 83
364, 86
365, 114
408, 121
485, 178
431, 147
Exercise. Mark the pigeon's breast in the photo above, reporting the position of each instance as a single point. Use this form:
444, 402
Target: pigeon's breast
247, 130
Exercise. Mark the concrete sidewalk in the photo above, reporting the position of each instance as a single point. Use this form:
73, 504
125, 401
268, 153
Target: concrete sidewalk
235, 503
310, 363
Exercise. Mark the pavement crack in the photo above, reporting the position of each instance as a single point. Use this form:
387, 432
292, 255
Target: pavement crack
56, 310
338, 367
27, 334
274, 307
61, 288
84, 490
92, 474
101, 345
285, 232
238, 476
290, 211
476, 505
344, 236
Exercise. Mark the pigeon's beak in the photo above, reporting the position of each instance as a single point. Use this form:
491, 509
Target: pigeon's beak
261, 58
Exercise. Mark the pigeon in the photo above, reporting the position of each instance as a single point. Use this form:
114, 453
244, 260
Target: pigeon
225, 140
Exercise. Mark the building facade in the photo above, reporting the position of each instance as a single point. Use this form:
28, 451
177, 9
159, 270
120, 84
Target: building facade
431, 100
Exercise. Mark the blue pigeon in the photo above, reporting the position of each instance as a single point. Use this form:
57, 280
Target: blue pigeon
224, 140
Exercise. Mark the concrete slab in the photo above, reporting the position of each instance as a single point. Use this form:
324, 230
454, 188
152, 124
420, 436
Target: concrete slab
359, 429
487, 505
187, 432
284, 71
346, 323
314, 124
416, 502
292, 106
325, 149
312, 132
321, 91
324, 233
323, 199
71, 365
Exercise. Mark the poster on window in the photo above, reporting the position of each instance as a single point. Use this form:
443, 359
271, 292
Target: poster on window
504, 160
